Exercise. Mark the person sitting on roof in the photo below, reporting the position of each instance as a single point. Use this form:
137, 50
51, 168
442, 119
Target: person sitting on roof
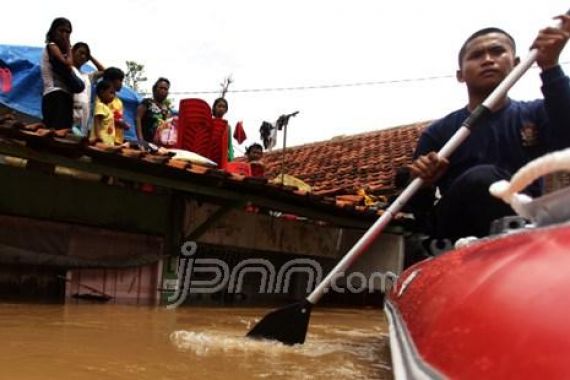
152, 112
82, 101
254, 152
254, 155
513, 134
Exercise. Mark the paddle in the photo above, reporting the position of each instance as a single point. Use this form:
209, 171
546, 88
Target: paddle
289, 324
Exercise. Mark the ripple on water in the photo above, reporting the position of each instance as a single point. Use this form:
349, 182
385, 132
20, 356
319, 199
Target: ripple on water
202, 343
318, 356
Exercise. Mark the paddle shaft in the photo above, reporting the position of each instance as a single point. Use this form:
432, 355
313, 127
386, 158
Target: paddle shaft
452, 144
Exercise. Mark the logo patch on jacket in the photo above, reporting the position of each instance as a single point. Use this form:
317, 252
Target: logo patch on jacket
529, 134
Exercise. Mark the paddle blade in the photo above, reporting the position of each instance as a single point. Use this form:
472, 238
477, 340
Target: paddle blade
288, 325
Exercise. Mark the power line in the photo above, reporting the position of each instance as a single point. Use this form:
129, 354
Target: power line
327, 86
316, 87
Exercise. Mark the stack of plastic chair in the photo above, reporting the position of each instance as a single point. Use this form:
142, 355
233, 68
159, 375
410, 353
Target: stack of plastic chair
195, 127
219, 142
198, 132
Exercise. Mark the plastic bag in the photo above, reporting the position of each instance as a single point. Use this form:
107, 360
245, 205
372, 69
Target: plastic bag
166, 134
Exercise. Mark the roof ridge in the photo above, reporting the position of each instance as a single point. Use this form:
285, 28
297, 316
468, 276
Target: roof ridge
344, 138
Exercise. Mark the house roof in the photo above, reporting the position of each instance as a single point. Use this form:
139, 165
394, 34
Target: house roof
338, 167
344, 164
63, 149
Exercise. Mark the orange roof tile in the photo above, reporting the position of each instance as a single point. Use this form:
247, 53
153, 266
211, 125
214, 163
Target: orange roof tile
340, 166
61, 146
344, 164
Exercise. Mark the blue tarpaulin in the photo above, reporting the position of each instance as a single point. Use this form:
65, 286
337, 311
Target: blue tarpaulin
26, 94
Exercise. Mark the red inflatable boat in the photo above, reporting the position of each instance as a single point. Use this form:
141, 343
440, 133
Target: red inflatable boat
496, 309
499, 307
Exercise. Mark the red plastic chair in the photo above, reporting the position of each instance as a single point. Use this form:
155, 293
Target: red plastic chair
219, 142
195, 126
257, 169
198, 132
242, 168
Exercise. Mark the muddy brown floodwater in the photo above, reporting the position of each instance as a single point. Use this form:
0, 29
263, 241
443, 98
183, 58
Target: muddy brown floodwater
132, 342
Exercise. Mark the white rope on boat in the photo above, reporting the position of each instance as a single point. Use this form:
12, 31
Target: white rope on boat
509, 192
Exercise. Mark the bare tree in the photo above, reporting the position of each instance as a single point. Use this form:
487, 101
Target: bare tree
226, 85
134, 75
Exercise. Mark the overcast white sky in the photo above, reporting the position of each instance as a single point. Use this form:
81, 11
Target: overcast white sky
276, 44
